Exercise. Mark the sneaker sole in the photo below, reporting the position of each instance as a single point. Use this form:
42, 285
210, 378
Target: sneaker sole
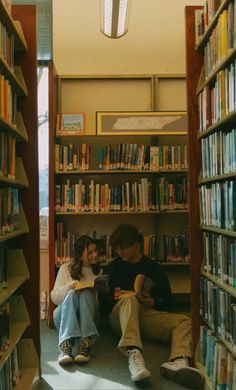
188, 377
81, 359
141, 376
65, 361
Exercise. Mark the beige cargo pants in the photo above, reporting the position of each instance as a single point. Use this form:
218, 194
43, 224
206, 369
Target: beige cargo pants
132, 321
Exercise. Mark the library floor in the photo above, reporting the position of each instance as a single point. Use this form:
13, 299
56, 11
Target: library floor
108, 368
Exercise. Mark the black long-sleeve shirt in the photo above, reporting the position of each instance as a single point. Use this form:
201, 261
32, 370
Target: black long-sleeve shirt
122, 274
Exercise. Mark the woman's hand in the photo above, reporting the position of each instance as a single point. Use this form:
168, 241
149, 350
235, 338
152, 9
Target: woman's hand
73, 284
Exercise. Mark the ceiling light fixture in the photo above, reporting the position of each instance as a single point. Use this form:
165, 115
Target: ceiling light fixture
115, 17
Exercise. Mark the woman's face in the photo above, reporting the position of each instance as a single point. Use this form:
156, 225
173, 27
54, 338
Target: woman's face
90, 255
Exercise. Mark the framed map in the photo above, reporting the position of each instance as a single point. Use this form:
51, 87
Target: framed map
141, 122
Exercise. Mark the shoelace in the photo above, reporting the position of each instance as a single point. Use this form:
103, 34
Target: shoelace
66, 347
84, 345
137, 359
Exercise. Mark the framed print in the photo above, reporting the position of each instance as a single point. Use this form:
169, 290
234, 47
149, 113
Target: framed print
71, 123
141, 122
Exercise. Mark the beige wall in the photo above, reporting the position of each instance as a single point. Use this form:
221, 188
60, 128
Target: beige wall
155, 42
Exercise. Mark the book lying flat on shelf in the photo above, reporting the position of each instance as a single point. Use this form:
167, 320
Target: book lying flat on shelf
142, 286
99, 281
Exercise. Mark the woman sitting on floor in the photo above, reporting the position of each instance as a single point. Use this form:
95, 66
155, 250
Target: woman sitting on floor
77, 313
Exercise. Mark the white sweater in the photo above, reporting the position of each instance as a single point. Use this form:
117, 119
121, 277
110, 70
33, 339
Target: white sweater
64, 281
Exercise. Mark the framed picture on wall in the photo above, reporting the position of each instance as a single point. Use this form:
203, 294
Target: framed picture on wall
141, 122
71, 123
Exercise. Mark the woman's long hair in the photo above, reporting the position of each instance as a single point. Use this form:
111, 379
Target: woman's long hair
75, 267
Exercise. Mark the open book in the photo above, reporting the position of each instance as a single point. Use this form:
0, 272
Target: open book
142, 286
99, 281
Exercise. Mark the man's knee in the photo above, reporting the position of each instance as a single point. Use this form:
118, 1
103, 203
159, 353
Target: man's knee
129, 300
86, 295
183, 320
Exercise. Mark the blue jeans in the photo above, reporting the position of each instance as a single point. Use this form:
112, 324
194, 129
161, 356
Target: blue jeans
75, 317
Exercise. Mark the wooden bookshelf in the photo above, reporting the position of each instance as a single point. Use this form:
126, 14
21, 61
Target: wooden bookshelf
196, 82
22, 245
206, 36
215, 279
111, 176
193, 70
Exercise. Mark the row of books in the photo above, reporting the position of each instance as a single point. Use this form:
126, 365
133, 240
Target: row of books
175, 248
3, 268
122, 156
219, 100
9, 210
72, 157
64, 245
219, 363
218, 153
7, 100
220, 257
10, 373
143, 157
199, 25
137, 196
6, 46
4, 327
222, 97
218, 309
218, 205
221, 40
7, 156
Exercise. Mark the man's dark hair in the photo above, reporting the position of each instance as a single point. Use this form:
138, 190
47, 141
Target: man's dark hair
124, 236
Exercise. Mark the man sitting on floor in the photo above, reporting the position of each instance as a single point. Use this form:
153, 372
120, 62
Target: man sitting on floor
137, 315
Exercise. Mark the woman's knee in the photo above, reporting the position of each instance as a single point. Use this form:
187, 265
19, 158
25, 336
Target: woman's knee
87, 295
70, 295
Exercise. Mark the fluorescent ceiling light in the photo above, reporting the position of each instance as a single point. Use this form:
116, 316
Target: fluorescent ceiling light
115, 17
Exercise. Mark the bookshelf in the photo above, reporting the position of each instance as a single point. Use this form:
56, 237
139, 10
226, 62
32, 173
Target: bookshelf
211, 116
74, 219
19, 235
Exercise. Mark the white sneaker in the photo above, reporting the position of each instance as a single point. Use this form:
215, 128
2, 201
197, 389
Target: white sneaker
180, 372
137, 367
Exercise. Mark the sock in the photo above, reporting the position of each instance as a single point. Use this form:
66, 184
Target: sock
131, 347
188, 358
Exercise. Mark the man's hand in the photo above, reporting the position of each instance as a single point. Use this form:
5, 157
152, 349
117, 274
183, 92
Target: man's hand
146, 300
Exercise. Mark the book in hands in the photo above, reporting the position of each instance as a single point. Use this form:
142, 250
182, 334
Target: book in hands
142, 286
82, 285
99, 282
